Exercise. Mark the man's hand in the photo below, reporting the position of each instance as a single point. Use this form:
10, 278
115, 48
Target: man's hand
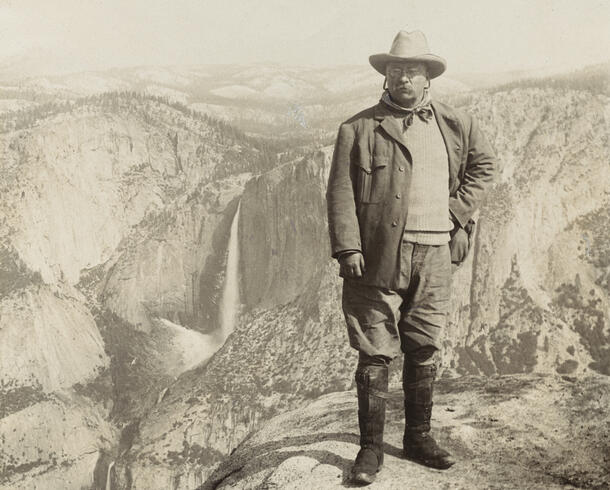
352, 264
458, 245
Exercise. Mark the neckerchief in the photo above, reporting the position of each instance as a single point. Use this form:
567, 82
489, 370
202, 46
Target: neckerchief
423, 110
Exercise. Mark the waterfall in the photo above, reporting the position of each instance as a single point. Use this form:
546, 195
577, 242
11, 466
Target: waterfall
109, 476
230, 293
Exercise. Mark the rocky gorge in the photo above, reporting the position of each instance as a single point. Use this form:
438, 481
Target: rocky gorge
115, 232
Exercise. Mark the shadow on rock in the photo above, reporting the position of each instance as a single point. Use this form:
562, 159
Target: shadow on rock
270, 455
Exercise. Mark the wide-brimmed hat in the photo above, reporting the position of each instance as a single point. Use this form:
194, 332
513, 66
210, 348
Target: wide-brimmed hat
409, 46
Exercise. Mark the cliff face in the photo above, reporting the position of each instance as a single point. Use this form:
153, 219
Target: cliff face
267, 365
555, 172
283, 232
113, 227
527, 300
113, 248
540, 232
288, 344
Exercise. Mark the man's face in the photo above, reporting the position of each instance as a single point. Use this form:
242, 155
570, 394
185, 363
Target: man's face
406, 82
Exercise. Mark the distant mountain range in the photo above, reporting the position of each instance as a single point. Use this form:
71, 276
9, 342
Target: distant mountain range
267, 100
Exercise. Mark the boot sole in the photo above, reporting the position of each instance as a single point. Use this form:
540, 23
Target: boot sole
428, 463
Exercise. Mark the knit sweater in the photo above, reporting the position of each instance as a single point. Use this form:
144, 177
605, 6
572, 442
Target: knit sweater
428, 218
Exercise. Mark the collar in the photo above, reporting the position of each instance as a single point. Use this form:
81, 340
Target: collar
424, 102
440, 110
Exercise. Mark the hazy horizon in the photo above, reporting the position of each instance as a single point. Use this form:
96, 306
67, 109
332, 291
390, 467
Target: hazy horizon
67, 36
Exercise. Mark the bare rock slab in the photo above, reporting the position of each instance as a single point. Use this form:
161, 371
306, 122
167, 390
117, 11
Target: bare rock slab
520, 431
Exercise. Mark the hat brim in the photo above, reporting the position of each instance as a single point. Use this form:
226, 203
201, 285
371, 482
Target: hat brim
436, 64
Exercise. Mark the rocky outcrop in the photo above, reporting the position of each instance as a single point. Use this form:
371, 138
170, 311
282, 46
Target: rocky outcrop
51, 435
47, 340
491, 425
51, 441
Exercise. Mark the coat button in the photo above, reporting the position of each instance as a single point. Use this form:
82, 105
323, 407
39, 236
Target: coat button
401, 169
394, 223
398, 196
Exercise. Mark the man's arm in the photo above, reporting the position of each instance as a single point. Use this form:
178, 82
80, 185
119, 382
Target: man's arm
341, 205
481, 169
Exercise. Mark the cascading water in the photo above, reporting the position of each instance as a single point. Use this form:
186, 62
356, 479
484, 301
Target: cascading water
230, 294
109, 476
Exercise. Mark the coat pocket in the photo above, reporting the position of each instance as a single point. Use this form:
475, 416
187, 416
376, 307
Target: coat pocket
372, 180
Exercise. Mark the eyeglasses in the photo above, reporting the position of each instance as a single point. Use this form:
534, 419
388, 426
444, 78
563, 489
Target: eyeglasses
410, 73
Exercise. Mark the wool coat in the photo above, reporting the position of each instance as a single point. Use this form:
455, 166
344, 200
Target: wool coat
369, 180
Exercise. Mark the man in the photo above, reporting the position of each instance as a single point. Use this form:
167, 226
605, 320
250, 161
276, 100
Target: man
406, 178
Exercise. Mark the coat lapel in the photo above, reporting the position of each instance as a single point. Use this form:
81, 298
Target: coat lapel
389, 125
450, 129
448, 125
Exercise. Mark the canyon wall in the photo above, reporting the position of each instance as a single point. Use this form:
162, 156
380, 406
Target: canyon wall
113, 245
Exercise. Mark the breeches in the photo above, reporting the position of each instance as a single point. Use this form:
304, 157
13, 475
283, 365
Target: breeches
382, 322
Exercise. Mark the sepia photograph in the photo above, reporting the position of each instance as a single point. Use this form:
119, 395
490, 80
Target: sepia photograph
304, 245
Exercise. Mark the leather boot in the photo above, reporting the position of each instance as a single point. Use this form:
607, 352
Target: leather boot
372, 388
418, 444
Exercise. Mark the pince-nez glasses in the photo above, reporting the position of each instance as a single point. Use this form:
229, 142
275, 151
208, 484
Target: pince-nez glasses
410, 73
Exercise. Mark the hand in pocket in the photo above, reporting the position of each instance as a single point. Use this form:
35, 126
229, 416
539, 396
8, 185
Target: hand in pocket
459, 245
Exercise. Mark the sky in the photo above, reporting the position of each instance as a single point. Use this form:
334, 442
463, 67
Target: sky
474, 36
